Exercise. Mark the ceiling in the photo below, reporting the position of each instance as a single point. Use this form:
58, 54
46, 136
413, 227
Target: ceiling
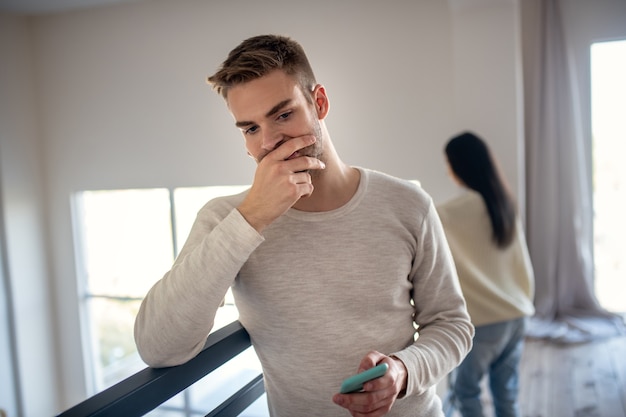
38, 7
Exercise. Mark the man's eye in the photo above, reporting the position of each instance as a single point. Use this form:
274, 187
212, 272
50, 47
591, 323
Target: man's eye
285, 115
251, 130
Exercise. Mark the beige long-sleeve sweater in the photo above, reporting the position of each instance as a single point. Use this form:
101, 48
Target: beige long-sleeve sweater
498, 284
316, 292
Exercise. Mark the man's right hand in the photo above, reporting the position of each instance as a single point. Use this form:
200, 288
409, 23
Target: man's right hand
281, 179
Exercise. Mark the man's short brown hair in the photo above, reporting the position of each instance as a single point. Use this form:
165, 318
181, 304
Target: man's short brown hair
258, 56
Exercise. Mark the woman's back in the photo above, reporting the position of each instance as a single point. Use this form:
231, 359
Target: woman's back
497, 283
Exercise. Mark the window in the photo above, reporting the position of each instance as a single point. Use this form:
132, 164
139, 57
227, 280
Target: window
126, 241
126, 245
608, 104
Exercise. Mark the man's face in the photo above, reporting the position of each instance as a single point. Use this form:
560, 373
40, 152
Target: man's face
272, 110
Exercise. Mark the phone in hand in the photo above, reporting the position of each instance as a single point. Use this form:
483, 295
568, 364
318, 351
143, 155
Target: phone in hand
355, 382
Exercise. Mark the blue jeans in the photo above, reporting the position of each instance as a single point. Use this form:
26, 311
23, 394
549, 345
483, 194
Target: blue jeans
496, 352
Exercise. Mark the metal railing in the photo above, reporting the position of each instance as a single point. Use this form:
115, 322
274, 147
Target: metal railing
144, 391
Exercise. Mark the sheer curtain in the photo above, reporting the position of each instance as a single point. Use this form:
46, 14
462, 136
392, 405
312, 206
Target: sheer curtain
559, 195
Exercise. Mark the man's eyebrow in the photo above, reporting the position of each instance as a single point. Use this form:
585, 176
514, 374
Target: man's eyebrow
272, 111
277, 107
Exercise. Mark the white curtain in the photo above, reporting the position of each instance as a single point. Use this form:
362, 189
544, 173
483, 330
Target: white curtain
559, 195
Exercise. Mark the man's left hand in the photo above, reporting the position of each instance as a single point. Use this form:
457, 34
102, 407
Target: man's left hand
378, 395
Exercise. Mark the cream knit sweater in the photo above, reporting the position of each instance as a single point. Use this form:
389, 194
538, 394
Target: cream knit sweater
498, 284
316, 292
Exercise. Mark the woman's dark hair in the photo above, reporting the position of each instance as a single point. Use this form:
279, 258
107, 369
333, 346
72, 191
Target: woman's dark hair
472, 162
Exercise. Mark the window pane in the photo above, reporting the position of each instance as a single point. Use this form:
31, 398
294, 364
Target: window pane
124, 246
188, 201
127, 240
608, 71
114, 350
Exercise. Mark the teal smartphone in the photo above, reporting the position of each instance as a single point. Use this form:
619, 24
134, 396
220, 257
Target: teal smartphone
355, 382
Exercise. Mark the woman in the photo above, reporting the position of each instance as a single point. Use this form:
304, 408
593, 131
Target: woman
489, 249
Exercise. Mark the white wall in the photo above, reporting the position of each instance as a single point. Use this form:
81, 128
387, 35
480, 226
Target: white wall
122, 102
8, 377
488, 90
131, 79
25, 265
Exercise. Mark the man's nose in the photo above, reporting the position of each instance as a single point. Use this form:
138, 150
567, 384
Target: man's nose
272, 138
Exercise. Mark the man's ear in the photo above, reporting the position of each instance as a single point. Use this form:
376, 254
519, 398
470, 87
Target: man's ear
320, 100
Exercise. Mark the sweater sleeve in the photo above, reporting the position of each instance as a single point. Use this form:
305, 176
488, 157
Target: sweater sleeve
445, 331
178, 312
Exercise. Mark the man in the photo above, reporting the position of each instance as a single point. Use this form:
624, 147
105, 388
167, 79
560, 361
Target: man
331, 266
